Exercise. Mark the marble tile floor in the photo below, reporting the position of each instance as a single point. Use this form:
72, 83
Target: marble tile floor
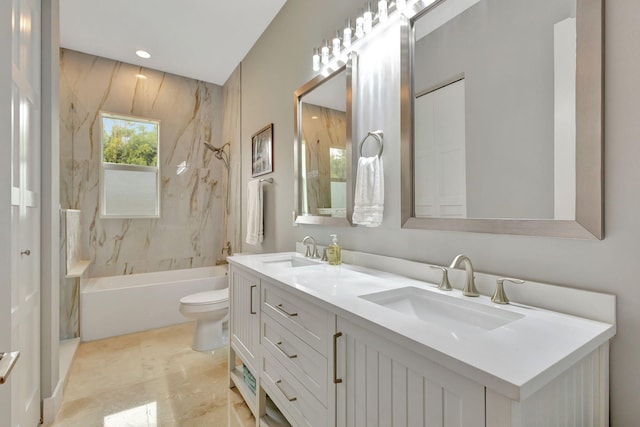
151, 378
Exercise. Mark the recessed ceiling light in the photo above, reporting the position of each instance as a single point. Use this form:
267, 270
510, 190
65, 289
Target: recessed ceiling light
143, 54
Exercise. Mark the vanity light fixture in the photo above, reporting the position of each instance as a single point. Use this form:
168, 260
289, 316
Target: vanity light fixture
143, 54
316, 59
336, 49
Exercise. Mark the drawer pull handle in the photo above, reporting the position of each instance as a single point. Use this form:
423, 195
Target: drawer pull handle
281, 308
336, 380
290, 356
251, 310
290, 399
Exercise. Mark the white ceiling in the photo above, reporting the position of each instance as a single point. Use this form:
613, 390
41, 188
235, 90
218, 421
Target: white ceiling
201, 39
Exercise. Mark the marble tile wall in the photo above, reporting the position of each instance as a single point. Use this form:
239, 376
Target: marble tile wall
191, 229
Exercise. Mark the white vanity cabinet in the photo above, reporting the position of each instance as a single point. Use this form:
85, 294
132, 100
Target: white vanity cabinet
326, 356
382, 384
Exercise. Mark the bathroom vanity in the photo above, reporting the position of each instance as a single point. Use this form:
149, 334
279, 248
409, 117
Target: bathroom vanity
351, 345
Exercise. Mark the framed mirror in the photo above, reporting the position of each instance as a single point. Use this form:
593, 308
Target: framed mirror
323, 159
502, 117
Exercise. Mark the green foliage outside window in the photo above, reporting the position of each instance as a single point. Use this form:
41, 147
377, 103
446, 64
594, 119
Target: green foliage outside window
338, 164
129, 142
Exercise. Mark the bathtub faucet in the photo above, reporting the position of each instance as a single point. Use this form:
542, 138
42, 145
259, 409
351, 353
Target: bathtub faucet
227, 248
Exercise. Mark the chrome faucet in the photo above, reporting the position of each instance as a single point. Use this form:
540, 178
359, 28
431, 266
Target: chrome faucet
310, 253
470, 289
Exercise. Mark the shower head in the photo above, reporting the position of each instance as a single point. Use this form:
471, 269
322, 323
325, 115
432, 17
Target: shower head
224, 156
219, 152
211, 147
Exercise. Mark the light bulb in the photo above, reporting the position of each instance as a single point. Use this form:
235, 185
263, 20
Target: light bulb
336, 44
360, 25
346, 34
368, 18
316, 59
383, 14
401, 4
325, 52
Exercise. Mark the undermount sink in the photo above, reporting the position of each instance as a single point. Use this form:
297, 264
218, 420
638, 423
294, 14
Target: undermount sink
290, 261
459, 317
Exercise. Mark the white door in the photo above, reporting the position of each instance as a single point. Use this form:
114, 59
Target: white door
440, 150
19, 209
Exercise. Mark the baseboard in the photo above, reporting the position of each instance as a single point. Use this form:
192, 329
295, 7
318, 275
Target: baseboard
51, 405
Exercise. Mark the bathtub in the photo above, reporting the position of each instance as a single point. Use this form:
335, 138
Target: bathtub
118, 305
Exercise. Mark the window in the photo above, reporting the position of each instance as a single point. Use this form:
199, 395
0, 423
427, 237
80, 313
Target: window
338, 169
130, 185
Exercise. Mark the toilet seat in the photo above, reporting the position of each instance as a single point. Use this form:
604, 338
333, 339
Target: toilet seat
213, 299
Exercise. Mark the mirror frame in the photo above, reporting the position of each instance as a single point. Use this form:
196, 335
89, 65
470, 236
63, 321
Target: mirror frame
351, 68
589, 222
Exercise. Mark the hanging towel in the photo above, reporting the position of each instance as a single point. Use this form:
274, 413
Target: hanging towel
369, 198
255, 227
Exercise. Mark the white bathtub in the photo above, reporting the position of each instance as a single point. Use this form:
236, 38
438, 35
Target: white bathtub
117, 305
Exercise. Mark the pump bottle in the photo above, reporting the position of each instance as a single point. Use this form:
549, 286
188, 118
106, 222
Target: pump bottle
335, 256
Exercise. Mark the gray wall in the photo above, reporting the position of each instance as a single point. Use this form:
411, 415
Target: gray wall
280, 62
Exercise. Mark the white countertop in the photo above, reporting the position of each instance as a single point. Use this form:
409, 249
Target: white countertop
514, 360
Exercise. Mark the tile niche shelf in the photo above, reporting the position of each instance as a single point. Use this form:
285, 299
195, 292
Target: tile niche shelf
77, 269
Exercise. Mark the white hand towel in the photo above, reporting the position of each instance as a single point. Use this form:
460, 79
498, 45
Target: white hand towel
369, 198
255, 227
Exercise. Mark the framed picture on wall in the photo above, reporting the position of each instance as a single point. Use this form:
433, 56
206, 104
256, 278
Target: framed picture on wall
262, 151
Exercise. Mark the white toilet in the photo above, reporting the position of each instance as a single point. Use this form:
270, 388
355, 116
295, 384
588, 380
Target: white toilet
210, 309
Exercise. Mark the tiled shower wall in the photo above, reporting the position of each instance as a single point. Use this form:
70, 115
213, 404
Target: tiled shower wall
192, 228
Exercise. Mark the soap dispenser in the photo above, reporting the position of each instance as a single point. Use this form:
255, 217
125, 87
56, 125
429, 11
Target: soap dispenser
335, 257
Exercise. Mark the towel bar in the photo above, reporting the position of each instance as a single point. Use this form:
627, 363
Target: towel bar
269, 180
378, 135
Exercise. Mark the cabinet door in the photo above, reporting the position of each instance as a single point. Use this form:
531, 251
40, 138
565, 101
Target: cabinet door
381, 384
244, 305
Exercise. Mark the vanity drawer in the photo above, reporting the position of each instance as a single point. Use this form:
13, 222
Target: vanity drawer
307, 321
306, 364
291, 397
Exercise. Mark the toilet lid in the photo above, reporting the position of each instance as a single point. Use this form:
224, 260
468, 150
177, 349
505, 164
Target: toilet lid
208, 297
